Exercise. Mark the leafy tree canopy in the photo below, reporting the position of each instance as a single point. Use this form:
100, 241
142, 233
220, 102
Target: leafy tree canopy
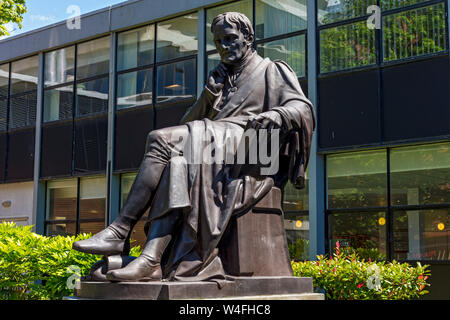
11, 11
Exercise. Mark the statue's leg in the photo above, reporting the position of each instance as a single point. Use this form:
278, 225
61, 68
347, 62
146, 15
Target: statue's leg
115, 238
147, 267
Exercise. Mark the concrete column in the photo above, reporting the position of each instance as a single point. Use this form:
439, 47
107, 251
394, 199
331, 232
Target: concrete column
113, 181
316, 161
38, 216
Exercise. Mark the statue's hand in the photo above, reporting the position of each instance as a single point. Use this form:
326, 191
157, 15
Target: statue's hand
267, 120
217, 78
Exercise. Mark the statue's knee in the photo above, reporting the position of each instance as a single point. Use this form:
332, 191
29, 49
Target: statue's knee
154, 137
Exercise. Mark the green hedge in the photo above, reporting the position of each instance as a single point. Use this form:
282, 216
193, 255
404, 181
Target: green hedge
35, 267
345, 276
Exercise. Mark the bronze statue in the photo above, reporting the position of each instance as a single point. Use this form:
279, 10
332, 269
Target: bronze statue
192, 201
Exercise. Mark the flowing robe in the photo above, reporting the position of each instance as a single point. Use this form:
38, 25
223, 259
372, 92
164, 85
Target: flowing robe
206, 195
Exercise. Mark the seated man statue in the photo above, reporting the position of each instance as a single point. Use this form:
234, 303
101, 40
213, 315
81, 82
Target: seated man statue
191, 202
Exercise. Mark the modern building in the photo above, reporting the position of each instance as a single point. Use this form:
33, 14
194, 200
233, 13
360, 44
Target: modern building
78, 98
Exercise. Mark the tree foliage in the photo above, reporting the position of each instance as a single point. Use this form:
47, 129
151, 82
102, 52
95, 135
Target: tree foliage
11, 11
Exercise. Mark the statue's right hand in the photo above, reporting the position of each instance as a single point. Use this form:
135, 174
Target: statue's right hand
217, 78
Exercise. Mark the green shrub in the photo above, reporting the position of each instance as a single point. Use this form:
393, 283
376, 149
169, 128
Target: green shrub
348, 277
299, 250
35, 267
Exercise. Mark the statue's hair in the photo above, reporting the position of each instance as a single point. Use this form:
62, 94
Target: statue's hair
237, 20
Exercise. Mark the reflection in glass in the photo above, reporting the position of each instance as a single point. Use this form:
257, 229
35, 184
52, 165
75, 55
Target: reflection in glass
177, 37
363, 232
294, 199
59, 66
92, 96
138, 231
291, 50
24, 75
177, 81
4, 80
213, 61
93, 58
244, 6
276, 17
414, 32
92, 198
329, 11
92, 227
3, 113
134, 89
392, 4
61, 203
58, 104
357, 179
297, 236
22, 111
136, 48
61, 229
422, 235
347, 46
420, 175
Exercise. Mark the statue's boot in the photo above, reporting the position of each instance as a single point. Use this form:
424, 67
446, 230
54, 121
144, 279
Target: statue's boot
113, 240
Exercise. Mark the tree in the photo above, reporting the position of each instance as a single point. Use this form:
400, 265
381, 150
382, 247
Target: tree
11, 11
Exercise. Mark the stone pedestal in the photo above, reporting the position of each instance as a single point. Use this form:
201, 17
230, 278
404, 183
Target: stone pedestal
254, 288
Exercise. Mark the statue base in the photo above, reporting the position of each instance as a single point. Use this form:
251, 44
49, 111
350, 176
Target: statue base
254, 288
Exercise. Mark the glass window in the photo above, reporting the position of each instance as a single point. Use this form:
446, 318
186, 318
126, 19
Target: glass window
297, 236
136, 48
290, 50
92, 96
59, 66
58, 103
93, 58
177, 37
422, 235
61, 229
93, 198
22, 111
347, 46
357, 179
24, 75
329, 11
245, 7
363, 232
213, 61
276, 17
138, 234
61, 200
393, 4
3, 113
421, 174
177, 80
134, 89
4, 80
414, 32
295, 199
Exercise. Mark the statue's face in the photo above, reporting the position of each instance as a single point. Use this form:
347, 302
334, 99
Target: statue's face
230, 43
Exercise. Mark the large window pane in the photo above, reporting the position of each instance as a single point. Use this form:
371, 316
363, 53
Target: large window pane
422, 235
294, 199
24, 75
92, 198
329, 11
59, 66
414, 32
3, 113
4, 80
22, 112
357, 179
61, 200
136, 48
245, 7
291, 50
347, 46
92, 227
363, 232
93, 58
177, 81
297, 236
58, 104
213, 61
393, 4
420, 175
61, 229
134, 89
276, 17
92, 96
177, 37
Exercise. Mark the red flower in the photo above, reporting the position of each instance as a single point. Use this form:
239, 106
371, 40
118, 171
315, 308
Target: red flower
426, 277
360, 285
420, 277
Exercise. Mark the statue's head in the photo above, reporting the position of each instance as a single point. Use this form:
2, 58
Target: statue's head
233, 36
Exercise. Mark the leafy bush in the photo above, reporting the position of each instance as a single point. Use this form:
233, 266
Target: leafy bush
347, 277
35, 267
